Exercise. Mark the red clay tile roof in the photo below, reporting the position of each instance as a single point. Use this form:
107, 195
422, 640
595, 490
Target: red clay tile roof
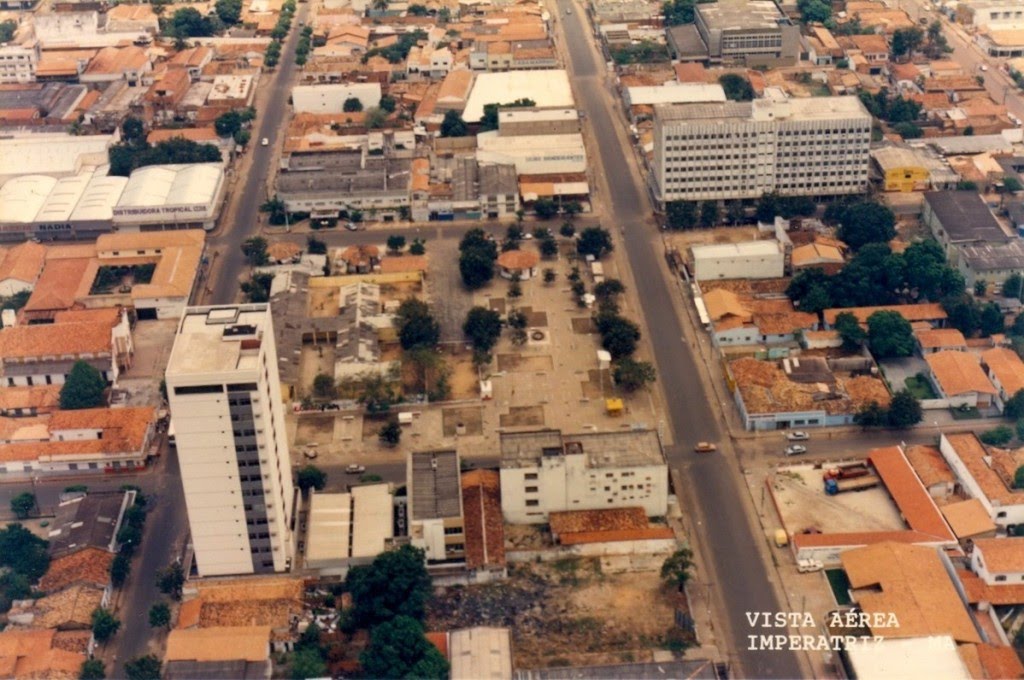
30, 654
39, 340
1000, 661
23, 262
979, 591
915, 504
63, 281
959, 373
1007, 367
929, 465
89, 565
612, 519
439, 640
922, 312
1002, 555
482, 519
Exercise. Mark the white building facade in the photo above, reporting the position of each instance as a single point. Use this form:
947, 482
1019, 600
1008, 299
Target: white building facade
226, 408
546, 471
747, 260
734, 150
18, 63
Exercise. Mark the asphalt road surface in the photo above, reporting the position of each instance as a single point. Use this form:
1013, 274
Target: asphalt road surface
251, 191
738, 568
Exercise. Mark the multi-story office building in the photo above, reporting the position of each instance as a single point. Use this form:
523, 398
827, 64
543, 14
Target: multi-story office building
18, 62
796, 147
751, 32
226, 409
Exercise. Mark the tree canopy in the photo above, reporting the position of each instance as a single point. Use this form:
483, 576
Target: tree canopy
143, 668
23, 504
395, 584
631, 375
483, 328
677, 12
594, 241
866, 222
104, 624
453, 126
125, 157
850, 331
490, 118
737, 88
476, 259
310, 477
417, 328
83, 388
618, 335
890, 335
23, 552
398, 649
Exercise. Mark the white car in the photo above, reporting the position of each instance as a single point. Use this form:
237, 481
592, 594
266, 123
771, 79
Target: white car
797, 436
984, 67
264, 142
809, 566
795, 450
351, 226
354, 469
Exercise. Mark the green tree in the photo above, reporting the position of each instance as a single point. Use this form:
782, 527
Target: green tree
255, 251
476, 268
418, 247
678, 12
395, 584
324, 387
417, 328
133, 131
396, 243
315, 246
1014, 406
871, 415
594, 241
352, 105
8, 28
1013, 286
677, 567
143, 668
997, 436
549, 276
92, 669
809, 290
867, 222
171, 580
310, 477
631, 375
388, 103
545, 208
483, 328
906, 40
453, 125
737, 88
23, 504
1011, 184
890, 335
618, 335
228, 11
104, 624
904, 410
1018, 478
398, 649
83, 388
709, 213
307, 663
814, 11
119, 570
681, 215
962, 313
228, 123
160, 615
992, 320
276, 209
391, 433
850, 331
567, 230
548, 247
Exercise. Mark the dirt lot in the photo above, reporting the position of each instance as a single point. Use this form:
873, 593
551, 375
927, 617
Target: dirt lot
567, 613
470, 417
682, 240
799, 493
315, 428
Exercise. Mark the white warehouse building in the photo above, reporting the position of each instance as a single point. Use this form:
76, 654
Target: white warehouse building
746, 260
546, 471
548, 88
733, 150
171, 197
331, 98
225, 400
534, 154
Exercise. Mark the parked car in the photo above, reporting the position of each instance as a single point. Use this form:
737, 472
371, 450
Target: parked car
264, 142
705, 447
351, 226
355, 469
310, 453
795, 450
808, 566
797, 436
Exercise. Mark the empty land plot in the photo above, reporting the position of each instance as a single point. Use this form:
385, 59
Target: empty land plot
800, 495
583, 325
470, 417
315, 428
524, 364
519, 416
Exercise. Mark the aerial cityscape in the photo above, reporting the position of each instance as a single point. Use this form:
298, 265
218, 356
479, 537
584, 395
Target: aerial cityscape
511, 339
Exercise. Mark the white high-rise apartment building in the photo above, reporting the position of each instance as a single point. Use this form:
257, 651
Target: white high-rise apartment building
228, 417
816, 146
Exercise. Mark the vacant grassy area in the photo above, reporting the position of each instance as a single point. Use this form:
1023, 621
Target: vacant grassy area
920, 388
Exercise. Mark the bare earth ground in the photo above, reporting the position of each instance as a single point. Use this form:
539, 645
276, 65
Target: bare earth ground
567, 612
799, 493
682, 240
